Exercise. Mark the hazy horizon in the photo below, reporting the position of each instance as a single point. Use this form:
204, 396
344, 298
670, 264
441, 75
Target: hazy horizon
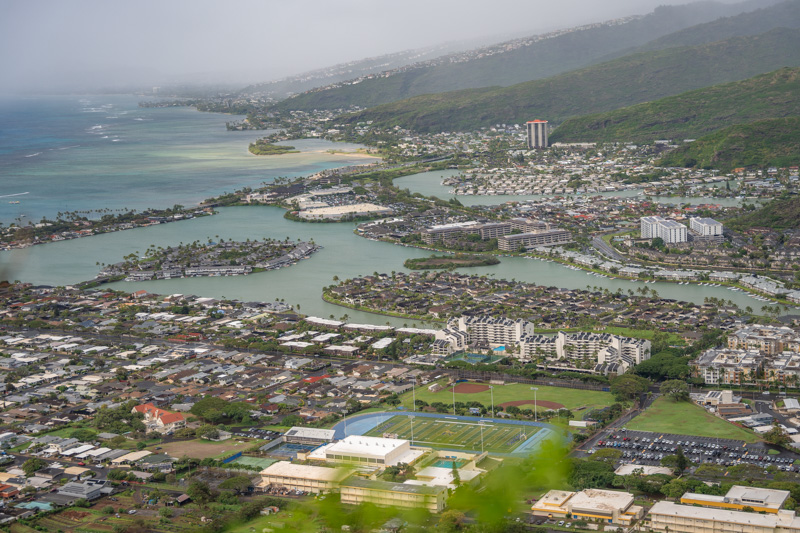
51, 45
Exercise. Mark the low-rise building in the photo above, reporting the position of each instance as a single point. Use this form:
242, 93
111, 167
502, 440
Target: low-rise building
677, 518
740, 497
302, 477
312, 436
159, 419
356, 490
368, 451
612, 507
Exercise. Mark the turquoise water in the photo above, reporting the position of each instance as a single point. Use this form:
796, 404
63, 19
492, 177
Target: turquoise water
104, 152
448, 463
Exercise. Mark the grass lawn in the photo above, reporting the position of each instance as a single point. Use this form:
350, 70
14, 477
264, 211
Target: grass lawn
298, 520
202, 449
569, 398
436, 432
686, 418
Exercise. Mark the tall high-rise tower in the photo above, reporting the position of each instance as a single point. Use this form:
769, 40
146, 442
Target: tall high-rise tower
537, 134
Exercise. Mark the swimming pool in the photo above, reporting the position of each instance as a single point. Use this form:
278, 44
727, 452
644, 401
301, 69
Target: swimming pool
448, 463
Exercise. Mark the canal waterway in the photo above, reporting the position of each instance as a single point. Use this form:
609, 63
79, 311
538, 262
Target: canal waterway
344, 254
430, 184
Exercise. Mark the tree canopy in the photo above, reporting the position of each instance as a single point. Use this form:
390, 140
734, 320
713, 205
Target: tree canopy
675, 389
629, 386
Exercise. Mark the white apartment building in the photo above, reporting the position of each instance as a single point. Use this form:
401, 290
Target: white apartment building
609, 353
726, 366
484, 329
705, 226
670, 231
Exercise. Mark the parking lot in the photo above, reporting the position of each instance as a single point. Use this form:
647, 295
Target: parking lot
640, 447
256, 433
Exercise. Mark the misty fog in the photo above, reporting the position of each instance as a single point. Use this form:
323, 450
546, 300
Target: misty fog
52, 45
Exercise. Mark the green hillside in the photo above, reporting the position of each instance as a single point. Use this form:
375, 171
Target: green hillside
692, 114
780, 214
632, 79
771, 142
783, 15
539, 60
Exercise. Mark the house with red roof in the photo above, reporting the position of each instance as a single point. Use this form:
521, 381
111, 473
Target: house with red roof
160, 420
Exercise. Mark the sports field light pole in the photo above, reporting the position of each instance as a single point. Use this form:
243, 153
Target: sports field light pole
481, 425
534, 389
454, 398
491, 391
412, 429
414, 395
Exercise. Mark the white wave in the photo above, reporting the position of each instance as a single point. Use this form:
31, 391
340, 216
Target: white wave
15, 194
34, 155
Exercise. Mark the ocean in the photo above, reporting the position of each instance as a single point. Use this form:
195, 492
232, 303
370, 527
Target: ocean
84, 153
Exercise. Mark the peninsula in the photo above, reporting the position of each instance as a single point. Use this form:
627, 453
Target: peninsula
211, 259
264, 147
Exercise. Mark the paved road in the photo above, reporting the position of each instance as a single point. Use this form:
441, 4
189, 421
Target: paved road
601, 246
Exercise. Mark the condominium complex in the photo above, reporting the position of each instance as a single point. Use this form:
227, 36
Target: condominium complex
726, 366
705, 226
537, 134
670, 231
608, 354
511, 243
484, 329
539, 233
449, 340
754, 353
765, 339
446, 232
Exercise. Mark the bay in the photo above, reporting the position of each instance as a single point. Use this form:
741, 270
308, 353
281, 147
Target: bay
76, 153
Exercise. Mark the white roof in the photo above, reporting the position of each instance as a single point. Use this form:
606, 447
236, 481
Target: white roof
791, 403
133, 456
293, 470
98, 451
720, 515
79, 449
359, 444
311, 433
646, 470
604, 500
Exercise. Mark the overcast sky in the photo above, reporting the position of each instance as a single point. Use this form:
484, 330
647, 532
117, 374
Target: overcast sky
50, 43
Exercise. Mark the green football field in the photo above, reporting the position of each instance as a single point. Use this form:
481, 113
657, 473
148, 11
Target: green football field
455, 434
514, 392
